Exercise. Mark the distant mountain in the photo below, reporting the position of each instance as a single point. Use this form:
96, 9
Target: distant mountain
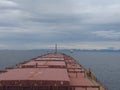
100, 50
64, 50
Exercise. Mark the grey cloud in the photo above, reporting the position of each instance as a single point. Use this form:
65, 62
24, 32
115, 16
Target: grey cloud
6, 24
61, 19
7, 3
64, 21
111, 34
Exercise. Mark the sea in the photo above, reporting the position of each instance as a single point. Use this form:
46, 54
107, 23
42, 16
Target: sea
104, 64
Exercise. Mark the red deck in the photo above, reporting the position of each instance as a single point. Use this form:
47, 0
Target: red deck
55, 71
36, 74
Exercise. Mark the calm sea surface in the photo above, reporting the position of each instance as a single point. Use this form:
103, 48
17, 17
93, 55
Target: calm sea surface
105, 65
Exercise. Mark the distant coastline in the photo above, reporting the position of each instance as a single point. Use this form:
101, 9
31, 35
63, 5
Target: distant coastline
68, 50
95, 50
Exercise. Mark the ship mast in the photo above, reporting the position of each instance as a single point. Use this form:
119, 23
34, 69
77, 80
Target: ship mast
55, 48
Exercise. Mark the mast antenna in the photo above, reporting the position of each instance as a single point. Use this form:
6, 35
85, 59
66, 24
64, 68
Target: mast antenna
55, 48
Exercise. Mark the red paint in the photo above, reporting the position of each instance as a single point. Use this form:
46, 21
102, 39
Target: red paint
54, 69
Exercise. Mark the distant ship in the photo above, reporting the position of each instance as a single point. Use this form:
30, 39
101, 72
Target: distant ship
51, 71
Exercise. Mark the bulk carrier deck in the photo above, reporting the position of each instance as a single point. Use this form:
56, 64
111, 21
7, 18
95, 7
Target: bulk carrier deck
52, 71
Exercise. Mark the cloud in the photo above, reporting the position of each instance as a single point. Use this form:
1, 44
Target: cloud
111, 34
7, 4
80, 45
66, 21
94, 12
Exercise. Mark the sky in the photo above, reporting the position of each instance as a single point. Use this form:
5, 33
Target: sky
80, 24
